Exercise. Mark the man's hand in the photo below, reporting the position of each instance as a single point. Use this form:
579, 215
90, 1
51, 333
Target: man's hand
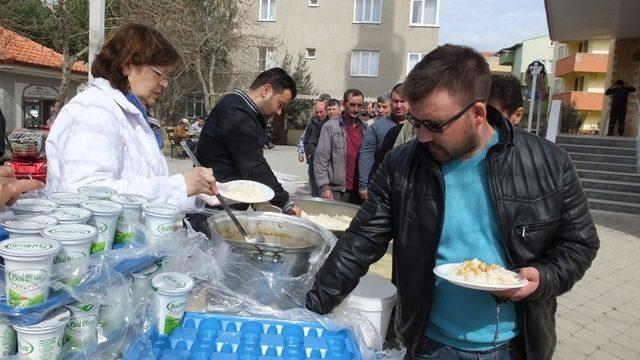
296, 211
11, 188
301, 157
327, 194
529, 273
364, 194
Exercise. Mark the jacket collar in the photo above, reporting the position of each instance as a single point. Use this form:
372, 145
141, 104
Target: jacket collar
254, 107
359, 121
116, 95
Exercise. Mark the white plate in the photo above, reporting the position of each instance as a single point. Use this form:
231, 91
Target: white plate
444, 270
227, 191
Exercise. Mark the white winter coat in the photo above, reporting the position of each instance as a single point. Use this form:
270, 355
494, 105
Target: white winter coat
100, 138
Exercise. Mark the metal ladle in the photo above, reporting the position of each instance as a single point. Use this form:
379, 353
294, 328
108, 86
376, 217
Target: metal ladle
258, 238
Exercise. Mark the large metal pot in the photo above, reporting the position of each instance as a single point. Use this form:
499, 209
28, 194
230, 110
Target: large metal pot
289, 241
317, 206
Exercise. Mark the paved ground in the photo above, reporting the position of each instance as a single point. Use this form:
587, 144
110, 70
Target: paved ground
599, 318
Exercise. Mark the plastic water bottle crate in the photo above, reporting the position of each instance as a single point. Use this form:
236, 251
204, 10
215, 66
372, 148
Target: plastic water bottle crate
222, 337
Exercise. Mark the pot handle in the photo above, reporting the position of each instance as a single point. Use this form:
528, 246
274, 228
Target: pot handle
267, 256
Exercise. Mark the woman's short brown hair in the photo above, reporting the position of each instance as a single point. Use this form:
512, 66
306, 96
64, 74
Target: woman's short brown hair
132, 44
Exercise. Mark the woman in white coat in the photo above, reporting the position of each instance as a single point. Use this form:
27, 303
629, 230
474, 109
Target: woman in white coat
101, 137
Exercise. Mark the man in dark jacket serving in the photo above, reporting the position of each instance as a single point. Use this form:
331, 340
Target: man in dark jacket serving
470, 186
234, 134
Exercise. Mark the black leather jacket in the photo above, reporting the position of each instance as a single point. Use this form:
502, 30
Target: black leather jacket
543, 218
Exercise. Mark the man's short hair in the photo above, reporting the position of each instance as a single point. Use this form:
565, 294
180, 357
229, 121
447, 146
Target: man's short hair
507, 91
353, 93
324, 97
396, 89
458, 70
278, 79
384, 98
333, 102
619, 82
320, 102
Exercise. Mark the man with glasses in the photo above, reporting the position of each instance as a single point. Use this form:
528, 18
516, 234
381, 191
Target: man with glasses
470, 186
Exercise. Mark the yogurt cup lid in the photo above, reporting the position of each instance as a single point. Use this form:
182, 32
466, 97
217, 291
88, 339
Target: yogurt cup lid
29, 246
67, 198
56, 319
172, 283
102, 206
79, 309
101, 192
161, 209
34, 205
70, 232
70, 213
129, 200
30, 224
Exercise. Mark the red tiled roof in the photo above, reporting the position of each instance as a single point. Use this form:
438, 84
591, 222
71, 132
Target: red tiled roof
487, 54
17, 49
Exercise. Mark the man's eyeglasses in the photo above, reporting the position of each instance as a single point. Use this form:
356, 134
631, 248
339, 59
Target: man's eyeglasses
438, 126
162, 74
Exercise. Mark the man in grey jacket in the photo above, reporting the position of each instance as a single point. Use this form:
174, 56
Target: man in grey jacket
335, 163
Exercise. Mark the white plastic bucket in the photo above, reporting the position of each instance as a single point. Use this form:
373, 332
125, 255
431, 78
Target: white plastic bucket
375, 297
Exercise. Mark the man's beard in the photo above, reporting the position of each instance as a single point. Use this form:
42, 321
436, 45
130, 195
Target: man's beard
467, 144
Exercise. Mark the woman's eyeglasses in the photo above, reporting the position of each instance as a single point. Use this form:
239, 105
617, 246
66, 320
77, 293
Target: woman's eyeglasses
437, 126
162, 74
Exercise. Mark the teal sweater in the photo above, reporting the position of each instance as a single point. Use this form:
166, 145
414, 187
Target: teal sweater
460, 317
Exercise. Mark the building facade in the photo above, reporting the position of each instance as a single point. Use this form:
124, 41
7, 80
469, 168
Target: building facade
581, 79
30, 76
365, 44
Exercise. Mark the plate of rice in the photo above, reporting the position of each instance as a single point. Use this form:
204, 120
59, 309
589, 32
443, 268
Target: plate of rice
475, 274
245, 191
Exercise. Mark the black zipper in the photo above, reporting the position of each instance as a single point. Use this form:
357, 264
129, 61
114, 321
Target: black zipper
495, 207
523, 228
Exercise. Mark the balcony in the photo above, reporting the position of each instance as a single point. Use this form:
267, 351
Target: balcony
582, 62
506, 57
582, 100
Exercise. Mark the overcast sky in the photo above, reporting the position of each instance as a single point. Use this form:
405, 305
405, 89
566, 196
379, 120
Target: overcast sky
490, 25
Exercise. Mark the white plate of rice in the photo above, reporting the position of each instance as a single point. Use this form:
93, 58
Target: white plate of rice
486, 277
245, 191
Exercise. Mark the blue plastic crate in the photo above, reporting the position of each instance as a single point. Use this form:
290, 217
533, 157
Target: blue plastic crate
223, 337
23, 316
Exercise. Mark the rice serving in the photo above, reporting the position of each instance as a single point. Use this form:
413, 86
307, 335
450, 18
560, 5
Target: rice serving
478, 272
245, 192
330, 222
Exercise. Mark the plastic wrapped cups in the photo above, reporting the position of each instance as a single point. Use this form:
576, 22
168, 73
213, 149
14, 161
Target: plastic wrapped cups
130, 217
31, 226
67, 199
30, 206
28, 262
70, 264
7, 338
81, 328
159, 218
105, 216
171, 292
43, 340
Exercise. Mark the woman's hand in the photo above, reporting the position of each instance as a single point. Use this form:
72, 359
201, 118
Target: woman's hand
11, 188
200, 180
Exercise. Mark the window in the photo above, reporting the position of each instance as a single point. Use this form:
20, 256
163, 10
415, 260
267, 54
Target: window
310, 53
267, 10
583, 46
562, 51
266, 58
413, 59
195, 106
424, 12
558, 86
364, 63
313, 2
578, 83
367, 11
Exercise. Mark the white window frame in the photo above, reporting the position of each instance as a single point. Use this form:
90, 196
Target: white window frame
420, 55
271, 10
267, 58
360, 52
306, 53
311, 4
423, 7
355, 9
192, 104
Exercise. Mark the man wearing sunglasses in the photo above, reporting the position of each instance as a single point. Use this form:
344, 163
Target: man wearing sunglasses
470, 186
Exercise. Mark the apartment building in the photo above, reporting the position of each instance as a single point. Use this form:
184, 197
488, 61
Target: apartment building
365, 44
581, 79
493, 59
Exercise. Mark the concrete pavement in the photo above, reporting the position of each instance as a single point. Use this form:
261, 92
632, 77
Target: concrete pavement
599, 318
